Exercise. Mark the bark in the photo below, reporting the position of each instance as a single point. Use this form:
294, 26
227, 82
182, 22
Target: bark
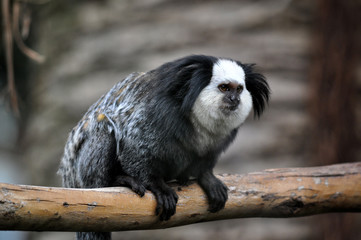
292, 192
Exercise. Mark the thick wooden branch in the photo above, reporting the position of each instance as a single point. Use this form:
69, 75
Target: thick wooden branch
290, 192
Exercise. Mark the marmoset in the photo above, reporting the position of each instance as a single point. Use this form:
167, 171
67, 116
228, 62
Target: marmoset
170, 123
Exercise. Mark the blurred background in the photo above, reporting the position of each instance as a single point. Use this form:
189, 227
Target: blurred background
65, 54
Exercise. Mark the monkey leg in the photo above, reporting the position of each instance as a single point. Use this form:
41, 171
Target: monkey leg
95, 166
166, 199
96, 160
131, 182
215, 190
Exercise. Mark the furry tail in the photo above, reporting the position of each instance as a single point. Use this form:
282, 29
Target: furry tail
93, 236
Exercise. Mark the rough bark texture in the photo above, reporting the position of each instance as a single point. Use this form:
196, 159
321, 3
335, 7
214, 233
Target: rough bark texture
290, 192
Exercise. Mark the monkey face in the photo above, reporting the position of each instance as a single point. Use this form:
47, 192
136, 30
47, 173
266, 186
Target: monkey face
225, 100
232, 92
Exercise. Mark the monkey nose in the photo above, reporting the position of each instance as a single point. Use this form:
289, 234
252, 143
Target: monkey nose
234, 99
233, 102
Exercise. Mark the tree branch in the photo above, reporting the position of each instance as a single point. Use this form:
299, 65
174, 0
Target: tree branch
18, 39
292, 192
8, 47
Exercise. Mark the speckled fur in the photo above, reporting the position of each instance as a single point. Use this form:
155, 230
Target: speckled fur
148, 129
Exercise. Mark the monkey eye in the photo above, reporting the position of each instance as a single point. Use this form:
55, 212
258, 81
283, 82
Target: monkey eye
223, 88
239, 88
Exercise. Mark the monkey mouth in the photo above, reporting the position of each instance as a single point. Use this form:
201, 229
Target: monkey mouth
229, 108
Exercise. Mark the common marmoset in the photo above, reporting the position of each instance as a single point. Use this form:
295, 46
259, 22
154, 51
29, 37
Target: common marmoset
170, 123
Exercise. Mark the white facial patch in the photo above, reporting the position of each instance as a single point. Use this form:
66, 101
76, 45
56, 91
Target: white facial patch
226, 71
207, 109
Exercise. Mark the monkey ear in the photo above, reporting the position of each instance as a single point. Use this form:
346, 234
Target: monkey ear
182, 80
197, 77
257, 85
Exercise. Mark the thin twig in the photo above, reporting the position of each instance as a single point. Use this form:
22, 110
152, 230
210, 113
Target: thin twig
9, 57
18, 39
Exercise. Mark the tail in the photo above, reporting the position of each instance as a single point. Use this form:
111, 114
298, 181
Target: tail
93, 236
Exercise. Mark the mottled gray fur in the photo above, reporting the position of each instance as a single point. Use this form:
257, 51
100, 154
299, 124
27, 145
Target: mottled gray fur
152, 127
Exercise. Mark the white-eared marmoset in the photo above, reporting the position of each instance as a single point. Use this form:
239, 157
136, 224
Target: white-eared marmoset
170, 123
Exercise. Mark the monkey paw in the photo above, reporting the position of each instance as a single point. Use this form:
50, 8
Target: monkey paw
166, 202
131, 182
215, 190
138, 189
217, 197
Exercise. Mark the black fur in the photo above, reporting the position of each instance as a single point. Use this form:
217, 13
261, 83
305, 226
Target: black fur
140, 134
258, 87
